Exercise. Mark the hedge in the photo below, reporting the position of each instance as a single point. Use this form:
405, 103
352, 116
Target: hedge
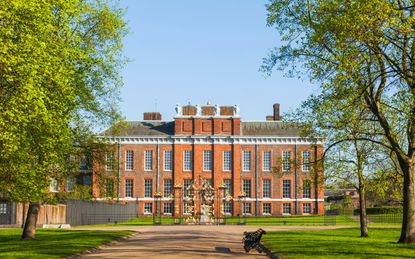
382, 210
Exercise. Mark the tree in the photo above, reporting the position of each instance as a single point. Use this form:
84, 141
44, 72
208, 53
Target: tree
59, 63
359, 50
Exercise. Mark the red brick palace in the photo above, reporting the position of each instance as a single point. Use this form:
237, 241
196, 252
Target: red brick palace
262, 167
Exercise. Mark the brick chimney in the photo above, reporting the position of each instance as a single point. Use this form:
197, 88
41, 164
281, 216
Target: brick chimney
276, 112
152, 116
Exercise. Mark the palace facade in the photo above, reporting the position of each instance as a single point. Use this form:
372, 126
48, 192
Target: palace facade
263, 168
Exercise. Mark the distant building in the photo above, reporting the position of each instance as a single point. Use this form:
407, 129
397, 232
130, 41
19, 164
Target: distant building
266, 161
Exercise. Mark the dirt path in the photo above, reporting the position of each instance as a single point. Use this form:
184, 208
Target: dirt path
183, 242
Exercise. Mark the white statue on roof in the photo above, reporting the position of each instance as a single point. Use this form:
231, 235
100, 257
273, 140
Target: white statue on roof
198, 110
217, 110
179, 110
236, 110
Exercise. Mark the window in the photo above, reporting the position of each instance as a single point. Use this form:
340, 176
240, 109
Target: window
207, 160
266, 208
168, 208
306, 161
87, 180
266, 188
188, 160
109, 188
247, 208
227, 160
83, 165
186, 185
286, 208
167, 188
70, 184
246, 161
110, 161
187, 207
129, 188
286, 161
227, 207
148, 188
3, 208
266, 161
228, 184
286, 188
168, 165
129, 160
306, 189
246, 187
306, 208
53, 185
148, 160
148, 208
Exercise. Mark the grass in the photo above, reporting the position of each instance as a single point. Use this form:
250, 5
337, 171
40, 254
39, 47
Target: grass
338, 243
53, 243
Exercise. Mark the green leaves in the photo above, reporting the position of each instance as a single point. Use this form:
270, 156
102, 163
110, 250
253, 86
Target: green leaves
59, 68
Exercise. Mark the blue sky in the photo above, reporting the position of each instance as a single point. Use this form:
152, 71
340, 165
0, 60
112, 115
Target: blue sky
202, 51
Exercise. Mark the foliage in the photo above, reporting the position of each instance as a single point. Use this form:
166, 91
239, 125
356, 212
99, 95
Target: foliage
59, 74
64, 242
337, 243
362, 53
383, 210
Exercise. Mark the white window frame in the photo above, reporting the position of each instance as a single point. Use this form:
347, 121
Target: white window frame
309, 208
229, 184
227, 160
168, 159
207, 160
53, 187
187, 160
305, 161
148, 211
307, 186
227, 208
247, 205
129, 160
167, 187
3, 208
284, 206
268, 189
148, 160
146, 186
286, 161
129, 183
263, 208
170, 206
245, 186
284, 188
70, 184
246, 160
186, 206
110, 161
266, 161
186, 183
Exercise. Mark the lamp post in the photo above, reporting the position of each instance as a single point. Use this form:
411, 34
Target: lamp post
177, 203
157, 212
221, 195
242, 198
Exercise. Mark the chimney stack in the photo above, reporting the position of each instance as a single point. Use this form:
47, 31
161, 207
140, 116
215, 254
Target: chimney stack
152, 116
276, 112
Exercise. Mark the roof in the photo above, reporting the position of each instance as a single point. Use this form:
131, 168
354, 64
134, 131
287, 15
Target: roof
166, 128
268, 128
142, 128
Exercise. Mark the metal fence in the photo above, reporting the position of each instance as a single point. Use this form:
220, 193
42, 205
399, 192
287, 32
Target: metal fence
95, 212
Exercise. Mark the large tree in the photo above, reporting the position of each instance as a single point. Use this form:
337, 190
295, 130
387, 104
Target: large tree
359, 50
59, 74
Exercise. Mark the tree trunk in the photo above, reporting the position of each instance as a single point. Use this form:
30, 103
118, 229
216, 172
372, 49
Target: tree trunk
29, 231
362, 212
408, 221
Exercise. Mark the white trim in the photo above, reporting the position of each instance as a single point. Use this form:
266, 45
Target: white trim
246, 199
209, 139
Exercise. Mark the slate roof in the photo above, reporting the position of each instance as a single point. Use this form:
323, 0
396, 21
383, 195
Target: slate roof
165, 128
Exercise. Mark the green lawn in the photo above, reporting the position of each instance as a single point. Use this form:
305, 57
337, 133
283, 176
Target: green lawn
52, 243
339, 243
